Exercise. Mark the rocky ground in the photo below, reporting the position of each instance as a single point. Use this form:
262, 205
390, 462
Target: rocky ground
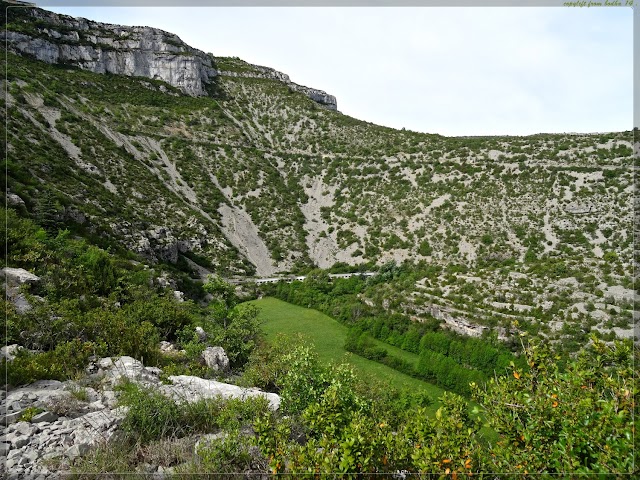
49, 424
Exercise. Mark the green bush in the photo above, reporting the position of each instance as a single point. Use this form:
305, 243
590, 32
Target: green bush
230, 454
153, 416
66, 361
268, 363
577, 420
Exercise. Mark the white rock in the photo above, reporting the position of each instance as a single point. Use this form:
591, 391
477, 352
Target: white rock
202, 335
215, 358
19, 442
9, 351
109, 398
191, 389
18, 276
167, 347
105, 363
44, 417
131, 369
77, 450
13, 199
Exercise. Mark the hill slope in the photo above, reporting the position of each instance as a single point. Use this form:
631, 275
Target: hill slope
244, 172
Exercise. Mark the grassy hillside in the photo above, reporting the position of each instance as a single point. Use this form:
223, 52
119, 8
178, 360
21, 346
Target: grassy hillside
328, 337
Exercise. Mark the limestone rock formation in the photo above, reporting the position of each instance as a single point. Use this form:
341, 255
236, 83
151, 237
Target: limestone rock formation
216, 358
191, 389
122, 50
258, 71
18, 276
106, 48
9, 351
66, 425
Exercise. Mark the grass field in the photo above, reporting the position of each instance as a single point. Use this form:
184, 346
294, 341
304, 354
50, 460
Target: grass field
328, 336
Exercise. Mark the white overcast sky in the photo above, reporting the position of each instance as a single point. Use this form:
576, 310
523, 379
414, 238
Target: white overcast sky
452, 71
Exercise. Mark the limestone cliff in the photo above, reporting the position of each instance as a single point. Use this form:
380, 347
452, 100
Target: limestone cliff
106, 48
122, 50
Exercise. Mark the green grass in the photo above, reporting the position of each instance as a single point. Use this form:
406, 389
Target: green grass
328, 337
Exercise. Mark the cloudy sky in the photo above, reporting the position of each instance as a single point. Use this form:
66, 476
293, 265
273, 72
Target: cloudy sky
452, 71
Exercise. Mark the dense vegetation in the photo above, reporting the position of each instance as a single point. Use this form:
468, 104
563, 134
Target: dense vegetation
91, 302
331, 420
445, 359
332, 423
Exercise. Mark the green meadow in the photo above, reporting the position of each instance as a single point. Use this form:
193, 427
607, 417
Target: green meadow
328, 336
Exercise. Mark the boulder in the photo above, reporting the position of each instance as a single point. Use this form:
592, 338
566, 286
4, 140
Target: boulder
191, 389
44, 417
14, 200
10, 351
178, 295
128, 368
167, 347
20, 302
202, 335
215, 358
77, 450
18, 276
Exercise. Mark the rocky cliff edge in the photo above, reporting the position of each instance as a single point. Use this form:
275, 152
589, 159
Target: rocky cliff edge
123, 50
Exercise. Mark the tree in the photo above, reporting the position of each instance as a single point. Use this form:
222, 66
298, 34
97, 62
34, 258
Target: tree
240, 334
46, 211
224, 297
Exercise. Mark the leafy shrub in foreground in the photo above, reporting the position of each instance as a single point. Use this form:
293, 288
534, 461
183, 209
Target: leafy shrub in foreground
67, 360
578, 421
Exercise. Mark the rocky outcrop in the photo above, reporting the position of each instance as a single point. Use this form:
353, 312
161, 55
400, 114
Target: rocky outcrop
122, 50
189, 388
59, 426
49, 419
318, 96
17, 276
258, 71
106, 48
9, 351
14, 278
215, 358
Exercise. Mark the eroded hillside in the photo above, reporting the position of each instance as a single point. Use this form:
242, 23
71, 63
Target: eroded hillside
255, 175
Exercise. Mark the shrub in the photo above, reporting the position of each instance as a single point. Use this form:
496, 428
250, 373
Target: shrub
230, 454
268, 363
554, 421
28, 414
151, 415
66, 361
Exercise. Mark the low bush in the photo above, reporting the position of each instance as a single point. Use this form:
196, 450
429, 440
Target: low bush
153, 416
67, 360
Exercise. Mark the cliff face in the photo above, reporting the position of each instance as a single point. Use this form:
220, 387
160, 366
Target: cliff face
105, 48
121, 50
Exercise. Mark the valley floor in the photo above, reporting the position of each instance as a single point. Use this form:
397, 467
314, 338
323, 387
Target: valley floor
328, 337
